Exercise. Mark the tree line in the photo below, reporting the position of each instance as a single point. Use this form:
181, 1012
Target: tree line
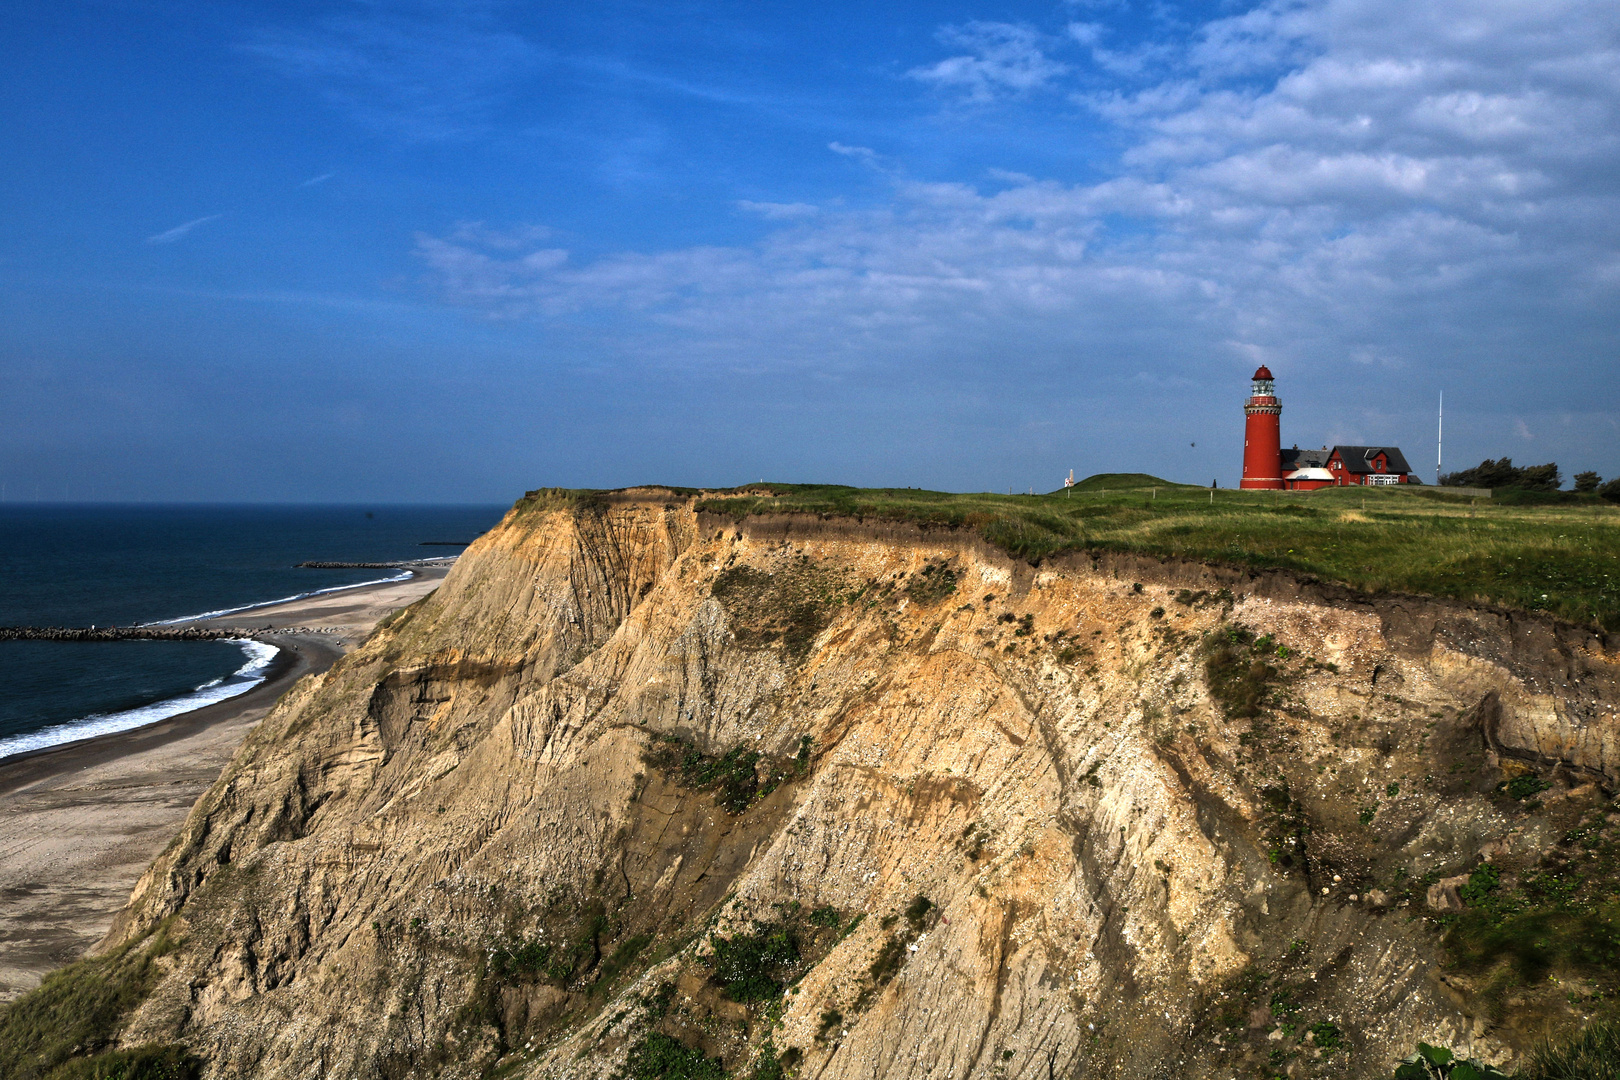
1502, 473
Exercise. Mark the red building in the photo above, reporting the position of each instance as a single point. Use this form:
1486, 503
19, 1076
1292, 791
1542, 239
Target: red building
1267, 466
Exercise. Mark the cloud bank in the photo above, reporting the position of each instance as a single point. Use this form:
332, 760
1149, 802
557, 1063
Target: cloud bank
1354, 184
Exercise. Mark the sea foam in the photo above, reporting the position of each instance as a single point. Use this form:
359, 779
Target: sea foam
245, 678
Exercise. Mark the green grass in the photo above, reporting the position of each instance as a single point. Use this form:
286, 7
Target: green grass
659, 1057
150, 1062
79, 1010
1238, 672
734, 776
1561, 918
1559, 556
1592, 1054
790, 607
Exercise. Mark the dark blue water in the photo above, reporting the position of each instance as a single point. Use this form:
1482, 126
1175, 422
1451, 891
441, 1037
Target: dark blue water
114, 565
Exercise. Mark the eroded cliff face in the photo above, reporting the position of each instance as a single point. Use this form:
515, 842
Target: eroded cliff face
868, 801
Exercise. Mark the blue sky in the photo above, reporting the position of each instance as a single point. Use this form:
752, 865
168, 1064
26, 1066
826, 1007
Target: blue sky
371, 250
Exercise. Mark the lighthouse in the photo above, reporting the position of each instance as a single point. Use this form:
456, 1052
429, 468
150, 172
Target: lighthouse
1262, 434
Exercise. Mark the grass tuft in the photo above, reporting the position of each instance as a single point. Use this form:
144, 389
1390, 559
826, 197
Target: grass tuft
1592, 1054
784, 609
78, 1011
151, 1062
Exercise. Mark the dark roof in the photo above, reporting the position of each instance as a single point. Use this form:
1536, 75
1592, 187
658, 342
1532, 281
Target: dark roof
1358, 459
1304, 459
1262, 372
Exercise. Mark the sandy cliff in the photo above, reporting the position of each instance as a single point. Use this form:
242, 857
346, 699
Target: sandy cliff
637, 785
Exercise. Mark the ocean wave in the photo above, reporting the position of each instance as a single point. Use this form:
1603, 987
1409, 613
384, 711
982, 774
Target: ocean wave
404, 575
245, 678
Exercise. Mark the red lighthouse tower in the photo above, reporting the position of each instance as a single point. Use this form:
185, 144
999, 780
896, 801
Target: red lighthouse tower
1262, 435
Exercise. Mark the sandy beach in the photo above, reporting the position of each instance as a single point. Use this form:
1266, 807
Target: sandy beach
79, 823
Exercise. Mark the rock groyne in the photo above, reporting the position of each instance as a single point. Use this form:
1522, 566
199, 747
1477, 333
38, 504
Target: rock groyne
117, 633
152, 633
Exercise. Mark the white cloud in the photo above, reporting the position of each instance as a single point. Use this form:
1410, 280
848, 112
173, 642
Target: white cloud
169, 236
860, 153
1127, 63
1001, 59
1316, 182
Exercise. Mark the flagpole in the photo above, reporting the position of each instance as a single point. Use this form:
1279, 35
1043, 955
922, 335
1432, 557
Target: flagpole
1440, 439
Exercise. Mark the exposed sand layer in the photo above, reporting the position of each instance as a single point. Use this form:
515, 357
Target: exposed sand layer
80, 823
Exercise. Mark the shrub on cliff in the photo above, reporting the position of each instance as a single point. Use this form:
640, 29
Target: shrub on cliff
1236, 668
659, 1057
1439, 1063
755, 966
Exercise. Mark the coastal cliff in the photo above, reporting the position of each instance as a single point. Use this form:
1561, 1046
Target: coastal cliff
641, 790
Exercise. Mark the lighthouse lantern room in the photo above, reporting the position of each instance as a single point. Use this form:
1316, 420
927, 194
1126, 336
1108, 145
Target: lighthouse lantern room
1262, 434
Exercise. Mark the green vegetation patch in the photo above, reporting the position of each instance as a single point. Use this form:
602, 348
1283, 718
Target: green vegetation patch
757, 965
624, 955
1557, 552
151, 1062
761, 962
920, 914
739, 776
1239, 670
1281, 987
79, 1010
1524, 787
528, 961
786, 607
1591, 1054
774, 1066
1560, 918
659, 1057
1439, 1063
576, 955
932, 584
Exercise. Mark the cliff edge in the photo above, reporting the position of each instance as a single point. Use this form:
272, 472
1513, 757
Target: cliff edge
645, 792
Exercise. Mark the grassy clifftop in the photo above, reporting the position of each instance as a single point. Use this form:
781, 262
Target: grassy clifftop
1562, 558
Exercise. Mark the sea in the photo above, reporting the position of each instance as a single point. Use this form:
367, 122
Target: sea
115, 565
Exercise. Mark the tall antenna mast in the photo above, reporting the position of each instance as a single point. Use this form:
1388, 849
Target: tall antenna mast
1440, 439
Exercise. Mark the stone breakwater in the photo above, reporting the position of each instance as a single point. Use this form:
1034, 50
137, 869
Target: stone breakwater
151, 633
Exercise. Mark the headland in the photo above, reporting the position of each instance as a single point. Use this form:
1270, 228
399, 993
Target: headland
813, 780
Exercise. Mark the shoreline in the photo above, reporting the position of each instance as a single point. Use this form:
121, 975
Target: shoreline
82, 820
289, 665
291, 645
